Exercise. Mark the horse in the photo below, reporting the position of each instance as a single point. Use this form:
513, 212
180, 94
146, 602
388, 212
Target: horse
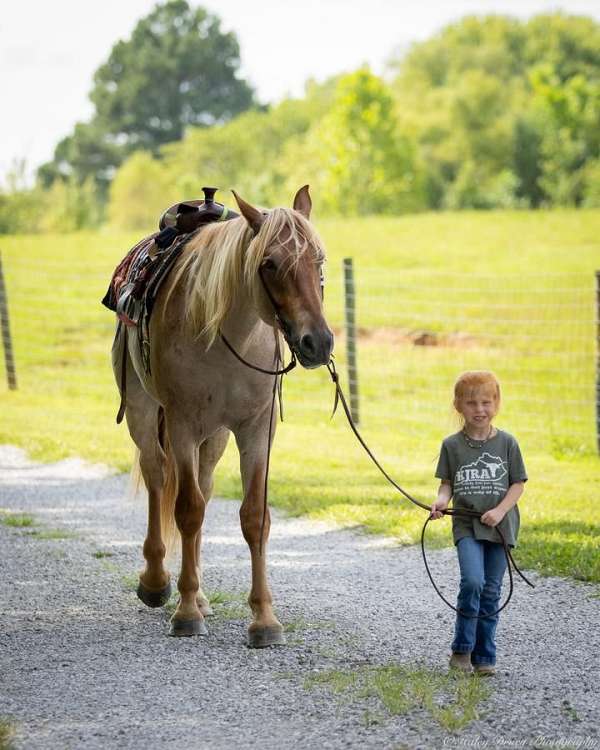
236, 289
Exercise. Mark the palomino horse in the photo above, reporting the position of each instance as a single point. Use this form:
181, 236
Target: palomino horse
244, 279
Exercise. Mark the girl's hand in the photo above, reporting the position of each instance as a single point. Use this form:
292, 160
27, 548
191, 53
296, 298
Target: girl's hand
437, 508
492, 517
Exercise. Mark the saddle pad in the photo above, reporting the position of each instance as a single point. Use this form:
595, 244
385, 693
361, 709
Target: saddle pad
137, 279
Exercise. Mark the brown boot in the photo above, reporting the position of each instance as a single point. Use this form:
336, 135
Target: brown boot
485, 670
461, 662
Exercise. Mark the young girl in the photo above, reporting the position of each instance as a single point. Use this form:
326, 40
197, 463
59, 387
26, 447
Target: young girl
480, 468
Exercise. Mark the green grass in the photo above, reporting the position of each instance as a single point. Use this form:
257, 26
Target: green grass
17, 520
453, 701
7, 731
510, 291
300, 624
569, 711
129, 581
52, 534
226, 605
26, 521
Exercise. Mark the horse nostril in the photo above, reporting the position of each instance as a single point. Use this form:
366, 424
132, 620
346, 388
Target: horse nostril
329, 341
307, 344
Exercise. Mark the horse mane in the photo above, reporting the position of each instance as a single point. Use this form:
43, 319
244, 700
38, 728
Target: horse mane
226, 256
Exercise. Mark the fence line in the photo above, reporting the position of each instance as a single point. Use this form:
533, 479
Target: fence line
9, 360
544, 351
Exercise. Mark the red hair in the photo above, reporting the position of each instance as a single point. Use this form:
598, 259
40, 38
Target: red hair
475, 380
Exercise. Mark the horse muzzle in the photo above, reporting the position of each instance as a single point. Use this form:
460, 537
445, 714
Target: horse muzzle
313, 348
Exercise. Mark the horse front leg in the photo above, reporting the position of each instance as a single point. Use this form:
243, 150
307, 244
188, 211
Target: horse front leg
265, 629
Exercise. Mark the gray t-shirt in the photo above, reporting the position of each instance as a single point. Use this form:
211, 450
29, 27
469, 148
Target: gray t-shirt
480, 480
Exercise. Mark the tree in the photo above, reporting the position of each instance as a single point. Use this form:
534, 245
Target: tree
569, 116
245, 153
177, 69
139, 194
87, 153
499, 105
21, 206
70, 206
357, 159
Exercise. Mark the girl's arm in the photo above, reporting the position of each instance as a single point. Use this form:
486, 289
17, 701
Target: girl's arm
443, 499
495, 515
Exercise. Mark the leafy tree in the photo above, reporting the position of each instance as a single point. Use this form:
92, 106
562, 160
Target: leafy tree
497, 106
527, 160
140, 192
87, 153
570, 115
21, 206
591, 191
245, 153
177, 70
70, 206
357, 159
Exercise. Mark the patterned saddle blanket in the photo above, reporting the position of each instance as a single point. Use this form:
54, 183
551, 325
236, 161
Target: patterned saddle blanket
138, 277
135, 284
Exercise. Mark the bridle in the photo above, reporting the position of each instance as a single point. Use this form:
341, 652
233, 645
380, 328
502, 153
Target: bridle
278, 372
340, 398
283, 326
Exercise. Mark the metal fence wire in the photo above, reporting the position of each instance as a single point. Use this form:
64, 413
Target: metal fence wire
416, 330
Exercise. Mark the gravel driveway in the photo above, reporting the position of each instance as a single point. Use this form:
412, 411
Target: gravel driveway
85, 664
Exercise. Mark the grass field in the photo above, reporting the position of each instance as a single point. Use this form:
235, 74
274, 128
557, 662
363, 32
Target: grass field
511, 291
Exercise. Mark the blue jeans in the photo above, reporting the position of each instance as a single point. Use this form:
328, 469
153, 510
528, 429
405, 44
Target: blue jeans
482, 566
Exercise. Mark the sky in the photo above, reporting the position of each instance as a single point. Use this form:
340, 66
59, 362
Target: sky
50, 50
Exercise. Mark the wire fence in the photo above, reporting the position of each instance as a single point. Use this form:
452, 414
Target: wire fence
416, 330
539, 333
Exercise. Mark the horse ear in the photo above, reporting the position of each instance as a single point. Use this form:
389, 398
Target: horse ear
302, 202
253, 216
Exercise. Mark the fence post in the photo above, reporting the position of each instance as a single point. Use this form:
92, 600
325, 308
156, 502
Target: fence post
11, 373
350, 318
598, 360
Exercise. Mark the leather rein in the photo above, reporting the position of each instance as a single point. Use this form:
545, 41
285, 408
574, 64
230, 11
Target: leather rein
340, 398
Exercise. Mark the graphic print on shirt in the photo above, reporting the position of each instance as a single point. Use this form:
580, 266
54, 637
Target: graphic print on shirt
485, 476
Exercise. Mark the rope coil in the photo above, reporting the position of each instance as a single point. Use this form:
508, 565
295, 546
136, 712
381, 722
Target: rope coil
465, 512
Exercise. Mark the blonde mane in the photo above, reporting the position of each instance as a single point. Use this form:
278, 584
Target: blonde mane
224, 257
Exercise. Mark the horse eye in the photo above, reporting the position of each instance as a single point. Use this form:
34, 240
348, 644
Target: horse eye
269, 265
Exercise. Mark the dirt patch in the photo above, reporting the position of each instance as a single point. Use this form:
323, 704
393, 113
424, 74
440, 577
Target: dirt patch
414, 337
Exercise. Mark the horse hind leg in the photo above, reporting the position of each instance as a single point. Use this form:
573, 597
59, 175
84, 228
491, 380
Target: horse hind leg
209, 455
189, 509
143, 416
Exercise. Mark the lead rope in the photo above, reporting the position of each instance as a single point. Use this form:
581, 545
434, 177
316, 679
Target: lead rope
268, 462
283, 371
465, 512
340, 398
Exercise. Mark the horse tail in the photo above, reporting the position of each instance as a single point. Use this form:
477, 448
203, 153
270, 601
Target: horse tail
136, 478
169, 493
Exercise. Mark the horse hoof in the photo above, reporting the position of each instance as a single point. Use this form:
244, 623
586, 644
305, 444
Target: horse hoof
184, 628
270, 635
154, 598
